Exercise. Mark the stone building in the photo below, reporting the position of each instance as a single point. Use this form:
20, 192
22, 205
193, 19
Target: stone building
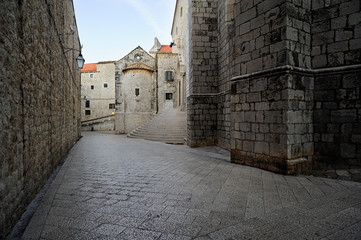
98, 96
146, 84
275, 82
39, 98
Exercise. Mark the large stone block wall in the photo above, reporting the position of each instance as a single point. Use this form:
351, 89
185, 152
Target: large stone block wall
337, 119
271, 117
39, 99
287, 89
336, 54
203, 74
336, 33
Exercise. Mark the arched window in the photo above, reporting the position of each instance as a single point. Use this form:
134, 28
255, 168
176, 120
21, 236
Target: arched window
230, 11
181, 12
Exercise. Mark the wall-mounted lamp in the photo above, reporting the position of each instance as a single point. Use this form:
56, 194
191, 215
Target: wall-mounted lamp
80, 59
172, 44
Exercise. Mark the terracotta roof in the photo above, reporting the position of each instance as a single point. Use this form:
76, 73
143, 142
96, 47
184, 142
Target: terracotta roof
165, 49
89, 67
138, 66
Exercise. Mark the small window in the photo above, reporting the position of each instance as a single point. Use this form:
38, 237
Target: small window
168, 96
87, 112
87, 104
92, 87
105, 85
111, 105
137, 92
91, 75
169, 75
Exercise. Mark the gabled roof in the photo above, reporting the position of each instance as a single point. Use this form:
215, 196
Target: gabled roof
138, 66
139, 47
88, 67
165, 49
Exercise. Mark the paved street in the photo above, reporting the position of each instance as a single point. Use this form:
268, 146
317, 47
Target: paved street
113, 187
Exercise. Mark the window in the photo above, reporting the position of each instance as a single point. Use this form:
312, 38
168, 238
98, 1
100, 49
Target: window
92, 87
137, 92
111, 105
169, 75
105, 85
91, 75
138, 57
87, 104
168, 96
87, 112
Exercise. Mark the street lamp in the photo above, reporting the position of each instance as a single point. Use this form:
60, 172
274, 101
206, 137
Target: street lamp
80, 60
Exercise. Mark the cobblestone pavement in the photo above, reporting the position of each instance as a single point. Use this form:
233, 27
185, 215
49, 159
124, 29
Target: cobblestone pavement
113, 187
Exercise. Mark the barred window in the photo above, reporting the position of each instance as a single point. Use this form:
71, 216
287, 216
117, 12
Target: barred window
87, 112
168, 96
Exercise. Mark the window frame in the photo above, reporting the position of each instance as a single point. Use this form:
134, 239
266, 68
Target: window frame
167, 73
167, 98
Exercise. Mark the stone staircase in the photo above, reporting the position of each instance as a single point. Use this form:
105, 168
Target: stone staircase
169, 127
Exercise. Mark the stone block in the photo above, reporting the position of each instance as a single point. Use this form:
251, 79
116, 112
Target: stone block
338, 47
355, 43
344, 116
248, 146
265, 6
337, 23
349, 7
246, 16
261, 147
319, 61
323, 38
278, 150
348, 150
257, 85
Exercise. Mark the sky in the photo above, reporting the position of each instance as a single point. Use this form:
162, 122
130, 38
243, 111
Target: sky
110, 29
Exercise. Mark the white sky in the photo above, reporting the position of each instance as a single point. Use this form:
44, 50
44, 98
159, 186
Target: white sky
110, 29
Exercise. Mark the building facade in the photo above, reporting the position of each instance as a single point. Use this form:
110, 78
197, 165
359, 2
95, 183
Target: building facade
275, 82
98, 96
39, 98
123, 95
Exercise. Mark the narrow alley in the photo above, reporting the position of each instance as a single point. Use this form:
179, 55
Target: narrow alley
113, 187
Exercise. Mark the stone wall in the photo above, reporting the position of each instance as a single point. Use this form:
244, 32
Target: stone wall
286, 90
135, 70
271, 116
337, 118
336, 33
203, 74
39, 98
336, 53
167, 62
101, 97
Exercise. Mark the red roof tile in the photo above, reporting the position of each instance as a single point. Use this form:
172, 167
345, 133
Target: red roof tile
165, 49
89, 67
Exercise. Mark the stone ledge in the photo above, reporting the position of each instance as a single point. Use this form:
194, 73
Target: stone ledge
291, 69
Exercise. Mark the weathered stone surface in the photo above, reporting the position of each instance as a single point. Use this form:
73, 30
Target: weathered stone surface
39, 98
256, 39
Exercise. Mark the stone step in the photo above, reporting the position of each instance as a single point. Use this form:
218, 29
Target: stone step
169, 127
